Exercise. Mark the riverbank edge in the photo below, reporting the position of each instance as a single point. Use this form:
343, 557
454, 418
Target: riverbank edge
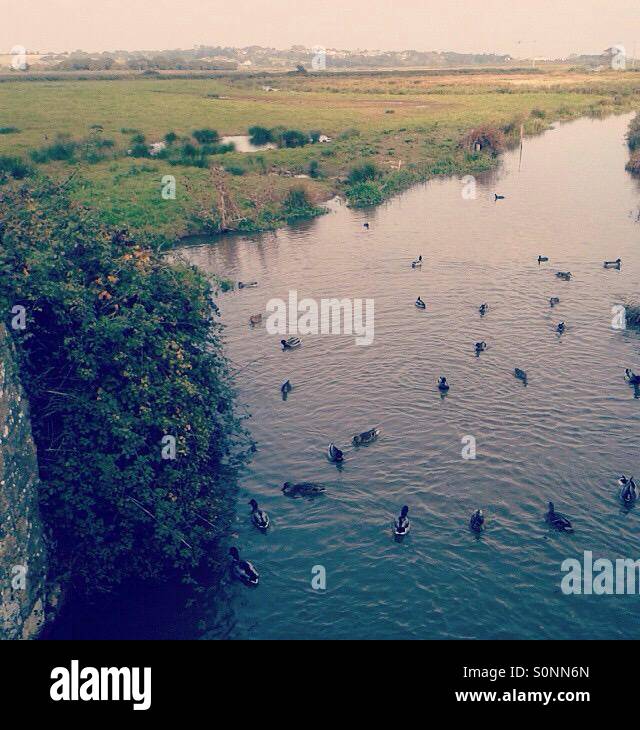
489, 162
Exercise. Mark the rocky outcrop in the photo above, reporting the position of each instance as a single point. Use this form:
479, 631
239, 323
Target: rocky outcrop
23, 565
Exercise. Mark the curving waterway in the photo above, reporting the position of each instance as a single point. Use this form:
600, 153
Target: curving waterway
565, 437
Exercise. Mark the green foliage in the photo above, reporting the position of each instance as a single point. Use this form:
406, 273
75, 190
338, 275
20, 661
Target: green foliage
9, 130
314, 169
60, 150
632, 315
538, 113
362, 173
260, 135
15, 167
363, 194
292, 138
206, 136
235, 169
633, 135
170, 137
296, 204
121, 349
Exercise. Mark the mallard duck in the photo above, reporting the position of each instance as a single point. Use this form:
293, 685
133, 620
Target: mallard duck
480, 346
553, 301
628, 490
255, 319
258, 516
401, 525
366, 437
557, 520
498, 197
476, 523
442, 384
302, 489
631, 377
561, 327
334, 454
566, 275
520, 374
420, 304
418, 262
247, 284
291, 343
613, 264
286, 387
242, 569
542, 258
483, 309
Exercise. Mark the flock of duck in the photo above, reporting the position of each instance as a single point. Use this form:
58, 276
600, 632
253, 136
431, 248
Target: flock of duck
247, 573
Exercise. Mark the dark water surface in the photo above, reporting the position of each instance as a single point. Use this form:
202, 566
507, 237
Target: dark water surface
565, 437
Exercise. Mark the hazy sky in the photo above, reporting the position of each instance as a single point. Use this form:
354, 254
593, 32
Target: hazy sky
520, 27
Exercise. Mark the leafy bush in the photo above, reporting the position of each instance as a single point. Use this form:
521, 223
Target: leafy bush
363, 194
632, 315
9, 130
633, 135
314, 169
260, 135
292, 138
296, 204
170, 137
16, 167
206, 136
538, 113
362, 173
62, 150
235, 169
122, 348
633, 166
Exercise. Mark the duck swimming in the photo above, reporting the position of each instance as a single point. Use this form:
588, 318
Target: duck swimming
334, 454
520, 374
498, 197
542, 258
553, 301
418, 262
631, 377
566, 275
302, 489
483, 309
561, 327
247, 284
366, 437
242, 569
291, 343
480, 347
628, 490
258, 516
255, 319
476, 523
558, 520
401, 525
286, 387
420, 304
613, 264
442, 384
365, 225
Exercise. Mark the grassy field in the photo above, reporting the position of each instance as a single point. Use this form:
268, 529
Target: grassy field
409, 125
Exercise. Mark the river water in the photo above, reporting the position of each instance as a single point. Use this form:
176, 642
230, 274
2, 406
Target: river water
565, 437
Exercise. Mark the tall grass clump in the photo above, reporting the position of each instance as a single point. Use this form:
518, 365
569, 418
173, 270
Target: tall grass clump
14, 167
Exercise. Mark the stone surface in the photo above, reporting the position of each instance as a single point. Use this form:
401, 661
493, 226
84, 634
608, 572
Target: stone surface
23, 564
